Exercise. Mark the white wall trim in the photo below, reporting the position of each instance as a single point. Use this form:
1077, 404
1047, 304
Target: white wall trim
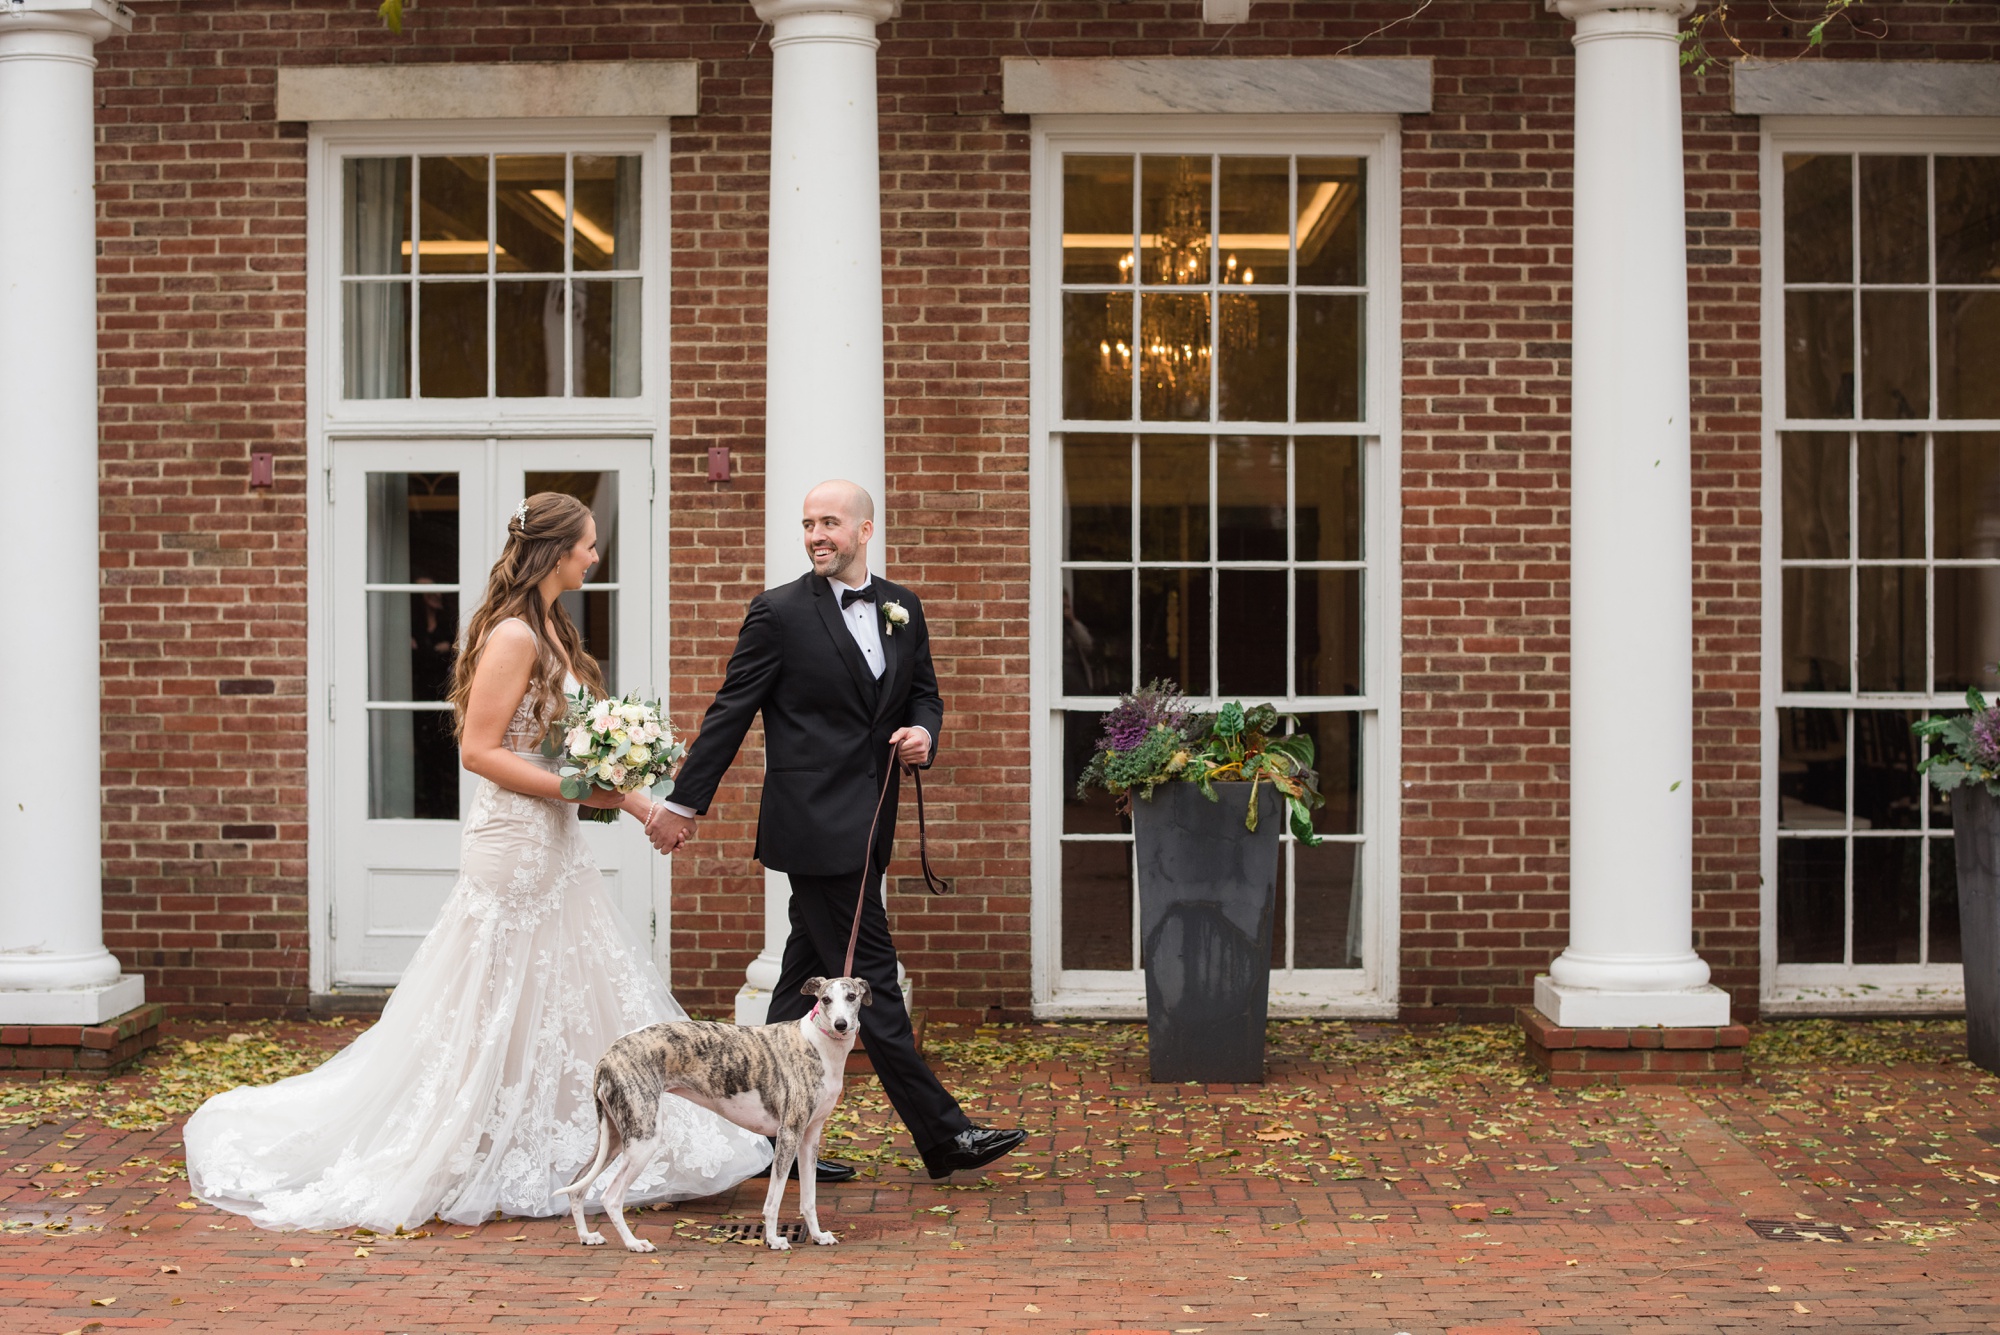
1305, 85
621, 88
1865, 88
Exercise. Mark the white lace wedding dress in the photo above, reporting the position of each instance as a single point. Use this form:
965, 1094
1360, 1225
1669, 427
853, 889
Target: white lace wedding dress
471, 1093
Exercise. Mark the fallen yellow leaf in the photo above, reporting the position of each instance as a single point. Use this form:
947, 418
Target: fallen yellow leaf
297, 1263
170, 1270
1031, 1308
102, 1302
586, 1300
188, 1205
518, 1237
363, 1252
1801, 1309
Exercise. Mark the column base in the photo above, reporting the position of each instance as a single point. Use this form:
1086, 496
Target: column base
1597, 1008
72, 1005
70, 1052
1635, 1054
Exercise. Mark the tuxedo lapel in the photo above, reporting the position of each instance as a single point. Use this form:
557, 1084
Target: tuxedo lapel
828, 607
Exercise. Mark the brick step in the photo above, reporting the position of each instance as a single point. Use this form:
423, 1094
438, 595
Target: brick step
69, 1051
1638, 1055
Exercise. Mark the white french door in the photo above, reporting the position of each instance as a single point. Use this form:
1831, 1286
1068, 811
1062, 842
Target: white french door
415, 527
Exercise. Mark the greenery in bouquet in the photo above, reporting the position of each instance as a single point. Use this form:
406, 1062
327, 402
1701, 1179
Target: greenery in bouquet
1155, 735
1965, 748
623, 745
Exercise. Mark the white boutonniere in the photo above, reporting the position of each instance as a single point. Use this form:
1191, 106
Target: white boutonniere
893, 616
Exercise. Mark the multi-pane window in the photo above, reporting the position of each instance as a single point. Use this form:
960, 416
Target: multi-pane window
1890, 538
1213, 521
490, 276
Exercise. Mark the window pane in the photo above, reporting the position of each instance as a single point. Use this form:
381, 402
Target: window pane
1097, 632
1329, 375
1173, 370
1815, 495
1097, 356
413, 528
1327, 498
1173, 627
528, 334
1819, 209
1174, 218
595, 612
1819, 354
599, 491
1894, 232
451, 340
411, 645
375, 217
1891, 629
531, 204
1966, 478
1097, 905
1812, 900
1328, 632
1337, 757
1256, 209
1095, 812
1945, 947
1250, 498
1968, 627
1326, 883
1250, 634
1812, 769
1173, 499
1332, 217
1968, 220
1887, 789
1888, 893
375, 333
412, 765
605, 338
1097, 219
1968, 350
1895, 354
1097, 498
451, 236
1815, 611
605, 224
1891, 469
1254, 348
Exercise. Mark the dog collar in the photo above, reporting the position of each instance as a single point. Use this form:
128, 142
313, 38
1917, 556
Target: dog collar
814, 1017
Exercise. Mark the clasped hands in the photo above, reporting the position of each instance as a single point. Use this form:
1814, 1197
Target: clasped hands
668, 830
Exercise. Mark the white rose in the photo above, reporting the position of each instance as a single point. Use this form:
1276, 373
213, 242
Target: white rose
638, 755
617, 774
578, 741
600, 723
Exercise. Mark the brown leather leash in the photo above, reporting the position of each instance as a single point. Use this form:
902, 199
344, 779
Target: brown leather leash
936, 884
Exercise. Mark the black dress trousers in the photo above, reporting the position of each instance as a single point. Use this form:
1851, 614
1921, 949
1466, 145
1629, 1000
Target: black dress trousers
822, 909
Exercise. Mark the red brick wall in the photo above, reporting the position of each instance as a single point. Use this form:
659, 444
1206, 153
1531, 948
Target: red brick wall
203, 303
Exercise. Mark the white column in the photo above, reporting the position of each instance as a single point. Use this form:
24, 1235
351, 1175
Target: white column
1630, 959
53, 965
823, 370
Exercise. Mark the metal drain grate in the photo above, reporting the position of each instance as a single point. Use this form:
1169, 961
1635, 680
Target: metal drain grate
754, 1232
1796, 1230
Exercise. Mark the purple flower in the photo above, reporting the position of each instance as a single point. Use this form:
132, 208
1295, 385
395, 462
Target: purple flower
1133, 718
1986, 738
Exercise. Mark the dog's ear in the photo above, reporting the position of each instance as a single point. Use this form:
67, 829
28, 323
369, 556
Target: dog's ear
867, 996
814, 987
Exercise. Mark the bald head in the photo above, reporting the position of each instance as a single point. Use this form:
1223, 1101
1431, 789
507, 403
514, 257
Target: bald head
838, 521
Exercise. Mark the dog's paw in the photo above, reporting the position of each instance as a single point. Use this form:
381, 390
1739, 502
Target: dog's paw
592, 1239
776, 1242
639, 1245
824, 1238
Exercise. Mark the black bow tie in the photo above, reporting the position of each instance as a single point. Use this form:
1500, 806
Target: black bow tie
864, 594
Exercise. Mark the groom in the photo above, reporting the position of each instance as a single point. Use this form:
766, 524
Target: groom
840, 666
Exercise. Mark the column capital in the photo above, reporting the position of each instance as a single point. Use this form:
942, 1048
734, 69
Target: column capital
95, 19
1576, 9
874, 11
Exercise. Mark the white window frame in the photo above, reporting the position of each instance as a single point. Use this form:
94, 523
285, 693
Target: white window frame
1831, 989
330, 417
1370, 991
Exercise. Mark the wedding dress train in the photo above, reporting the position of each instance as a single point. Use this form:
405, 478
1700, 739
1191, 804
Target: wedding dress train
471, 1093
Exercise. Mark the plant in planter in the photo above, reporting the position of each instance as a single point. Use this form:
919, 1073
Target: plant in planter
1207, 875
1965, 762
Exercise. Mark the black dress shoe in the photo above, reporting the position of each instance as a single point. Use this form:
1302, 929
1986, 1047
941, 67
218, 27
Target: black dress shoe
826, 1170
971, 1149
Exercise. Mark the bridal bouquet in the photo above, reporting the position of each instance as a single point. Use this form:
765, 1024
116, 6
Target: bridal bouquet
622, 745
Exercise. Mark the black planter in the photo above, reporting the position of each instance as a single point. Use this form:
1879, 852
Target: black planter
1975, 837
1207, 888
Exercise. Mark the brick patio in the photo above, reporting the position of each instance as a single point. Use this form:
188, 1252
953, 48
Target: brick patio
1385, 1180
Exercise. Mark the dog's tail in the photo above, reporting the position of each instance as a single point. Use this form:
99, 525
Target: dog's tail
603, 1156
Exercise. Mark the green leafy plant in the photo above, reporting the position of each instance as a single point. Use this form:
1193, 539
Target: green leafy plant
1965, 748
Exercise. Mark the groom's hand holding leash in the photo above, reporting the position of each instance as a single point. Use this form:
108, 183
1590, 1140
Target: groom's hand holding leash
913, 745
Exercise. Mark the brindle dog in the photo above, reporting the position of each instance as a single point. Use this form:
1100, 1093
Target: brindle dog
779, 1080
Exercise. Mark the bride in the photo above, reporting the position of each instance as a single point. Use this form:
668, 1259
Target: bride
471, 1093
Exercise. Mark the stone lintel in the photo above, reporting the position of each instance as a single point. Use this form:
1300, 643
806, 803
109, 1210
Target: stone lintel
649, 89
1155, 85
1865, 88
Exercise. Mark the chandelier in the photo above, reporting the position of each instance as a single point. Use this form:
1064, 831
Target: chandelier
1174, 332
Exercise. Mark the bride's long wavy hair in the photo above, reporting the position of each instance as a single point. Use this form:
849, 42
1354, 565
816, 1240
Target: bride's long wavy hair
536, 543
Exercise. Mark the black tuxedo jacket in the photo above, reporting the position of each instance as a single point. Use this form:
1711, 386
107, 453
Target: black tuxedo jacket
827, 722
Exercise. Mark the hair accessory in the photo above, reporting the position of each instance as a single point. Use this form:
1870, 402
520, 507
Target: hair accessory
521, 516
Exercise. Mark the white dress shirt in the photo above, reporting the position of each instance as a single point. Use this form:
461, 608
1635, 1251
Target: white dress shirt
864, 623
